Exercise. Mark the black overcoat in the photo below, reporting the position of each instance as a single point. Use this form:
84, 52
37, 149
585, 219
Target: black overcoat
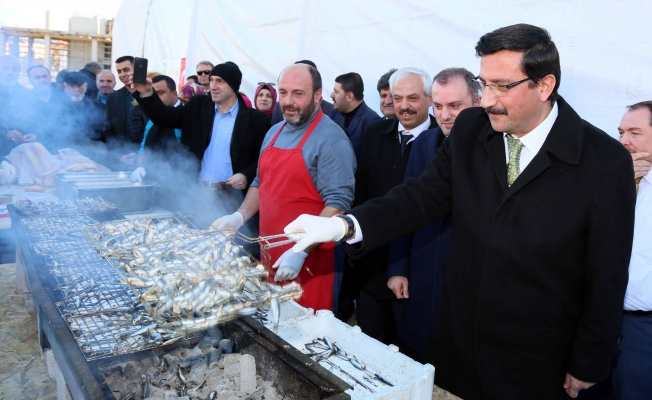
538, 270
195, 120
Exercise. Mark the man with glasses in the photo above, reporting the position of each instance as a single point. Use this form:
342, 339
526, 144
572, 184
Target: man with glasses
543, 211
203, 74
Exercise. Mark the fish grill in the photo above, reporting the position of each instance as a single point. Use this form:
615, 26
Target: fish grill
90, 292
68, 207
111, 334
189, 278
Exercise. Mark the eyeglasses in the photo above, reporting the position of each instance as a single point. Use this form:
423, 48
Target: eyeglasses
266, 83
498, 90
206, 72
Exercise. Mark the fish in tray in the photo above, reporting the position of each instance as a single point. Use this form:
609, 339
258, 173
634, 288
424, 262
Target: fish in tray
66, 207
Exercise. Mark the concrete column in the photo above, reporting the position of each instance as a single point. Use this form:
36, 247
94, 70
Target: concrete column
30, 52
94, 50
48, 52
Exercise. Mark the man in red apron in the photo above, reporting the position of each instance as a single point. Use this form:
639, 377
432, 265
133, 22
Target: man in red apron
306, 166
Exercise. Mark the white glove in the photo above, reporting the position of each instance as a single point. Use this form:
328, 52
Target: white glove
138, 174
233, 221
7, 173
313, 230
290, 264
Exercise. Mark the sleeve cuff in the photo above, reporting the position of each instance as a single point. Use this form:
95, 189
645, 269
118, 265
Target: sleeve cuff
358, 232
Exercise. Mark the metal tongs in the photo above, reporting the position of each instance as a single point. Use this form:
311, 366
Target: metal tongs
271, 241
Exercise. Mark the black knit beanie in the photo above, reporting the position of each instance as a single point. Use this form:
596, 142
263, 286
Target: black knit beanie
231, 74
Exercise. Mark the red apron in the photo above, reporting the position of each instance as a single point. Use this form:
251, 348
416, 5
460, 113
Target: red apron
287, 191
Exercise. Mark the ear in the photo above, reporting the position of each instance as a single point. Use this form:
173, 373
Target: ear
546, 86
478, 100
429, 101
317, 97
350, 97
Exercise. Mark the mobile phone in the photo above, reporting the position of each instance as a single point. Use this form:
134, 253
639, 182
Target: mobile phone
140, 70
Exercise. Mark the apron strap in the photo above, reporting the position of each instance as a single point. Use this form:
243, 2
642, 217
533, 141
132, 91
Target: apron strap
310, 129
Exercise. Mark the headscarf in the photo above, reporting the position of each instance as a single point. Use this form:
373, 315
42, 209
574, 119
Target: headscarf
189, 90
273, 91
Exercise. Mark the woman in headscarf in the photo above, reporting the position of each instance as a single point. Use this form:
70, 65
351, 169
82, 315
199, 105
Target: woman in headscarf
189, 90
265, 98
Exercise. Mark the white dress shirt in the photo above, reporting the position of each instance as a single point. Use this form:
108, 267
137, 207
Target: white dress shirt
415, 131
532, 143
639, 288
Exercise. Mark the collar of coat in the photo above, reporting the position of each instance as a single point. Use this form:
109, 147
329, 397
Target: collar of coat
564, 140
392, 125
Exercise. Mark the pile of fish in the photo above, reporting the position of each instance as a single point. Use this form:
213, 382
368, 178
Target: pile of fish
188, 279
322, 349
66, 207
67, 227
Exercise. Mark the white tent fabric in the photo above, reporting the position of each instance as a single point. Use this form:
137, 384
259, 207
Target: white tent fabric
603, 44
154, 29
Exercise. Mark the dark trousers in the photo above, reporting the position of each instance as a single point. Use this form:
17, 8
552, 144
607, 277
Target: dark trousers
378, 318
631, 375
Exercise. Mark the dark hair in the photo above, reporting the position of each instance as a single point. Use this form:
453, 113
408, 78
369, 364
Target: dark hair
307, 62
169, 81
352, 82
642, 104
33, 67
383, 82
125, 58
540, 55
316, 78
445, 76
194, 78
93, 67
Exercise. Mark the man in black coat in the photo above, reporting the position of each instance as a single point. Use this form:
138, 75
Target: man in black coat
543, 216
237, 138
382, 164
116, 135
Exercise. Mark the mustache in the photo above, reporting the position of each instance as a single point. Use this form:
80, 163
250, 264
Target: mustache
388, 104
496, 111
407, 111
291, 108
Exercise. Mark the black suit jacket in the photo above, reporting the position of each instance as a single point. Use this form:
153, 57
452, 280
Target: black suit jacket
196, 121
381, 167
538, 270
116, 114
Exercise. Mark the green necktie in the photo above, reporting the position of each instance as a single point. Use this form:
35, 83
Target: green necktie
513, 169
637, 181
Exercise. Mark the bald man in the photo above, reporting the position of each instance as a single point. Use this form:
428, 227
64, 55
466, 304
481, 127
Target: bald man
306, 166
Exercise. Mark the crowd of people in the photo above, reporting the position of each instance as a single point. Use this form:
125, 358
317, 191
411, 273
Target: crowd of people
506, 240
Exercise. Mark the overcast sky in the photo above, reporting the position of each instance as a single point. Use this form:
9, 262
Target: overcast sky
31, 13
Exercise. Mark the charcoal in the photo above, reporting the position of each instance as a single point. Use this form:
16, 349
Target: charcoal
247, 374
228, 359
226, 345
215, 332
131, 372
214, 357
208, 343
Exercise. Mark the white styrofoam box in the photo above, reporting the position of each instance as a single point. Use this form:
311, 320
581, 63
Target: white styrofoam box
412, 380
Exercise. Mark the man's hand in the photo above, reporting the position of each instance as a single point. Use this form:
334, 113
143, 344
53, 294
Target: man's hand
573, 385
15, 136
399, 285
128, 159
138, 174
314, 230
237, 181
289, 265
233, 221
641, 166
29, 138
145, 89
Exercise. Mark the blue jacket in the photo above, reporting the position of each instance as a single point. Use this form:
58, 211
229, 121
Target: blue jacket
421, 257
364, 117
